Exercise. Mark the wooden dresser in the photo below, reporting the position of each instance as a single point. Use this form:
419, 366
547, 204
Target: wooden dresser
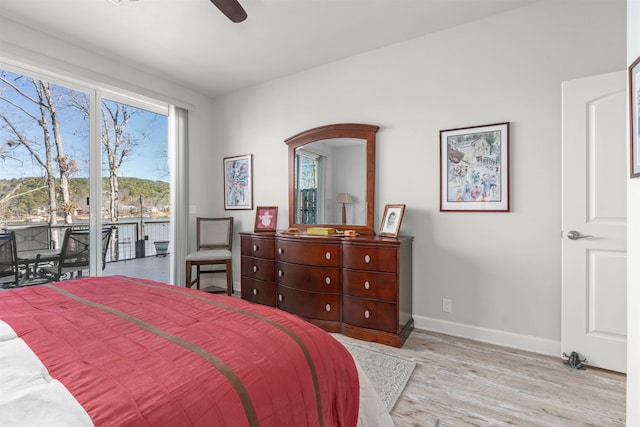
257, 267
359, 286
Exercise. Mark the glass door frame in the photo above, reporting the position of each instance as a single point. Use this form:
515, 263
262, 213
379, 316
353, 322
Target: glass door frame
96, 93
96, 189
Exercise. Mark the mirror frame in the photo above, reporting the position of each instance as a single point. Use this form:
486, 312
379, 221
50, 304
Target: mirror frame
341, 130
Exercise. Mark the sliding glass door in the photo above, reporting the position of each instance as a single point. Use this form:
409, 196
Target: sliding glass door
44, 158
135, 186
75, 157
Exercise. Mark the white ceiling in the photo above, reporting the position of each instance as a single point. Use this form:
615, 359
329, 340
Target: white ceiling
191, 43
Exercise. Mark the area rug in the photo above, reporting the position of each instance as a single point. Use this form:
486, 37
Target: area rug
388, 374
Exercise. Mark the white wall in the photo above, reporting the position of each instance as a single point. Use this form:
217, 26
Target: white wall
633, 242
501, 270
349, 175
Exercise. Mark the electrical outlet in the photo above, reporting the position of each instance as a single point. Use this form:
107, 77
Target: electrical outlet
447, 305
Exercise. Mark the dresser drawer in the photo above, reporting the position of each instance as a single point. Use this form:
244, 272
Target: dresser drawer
309, 304
313, 253
315, 279
370, 258
368, 284
257, 268
258, 291
261, 247
370, 314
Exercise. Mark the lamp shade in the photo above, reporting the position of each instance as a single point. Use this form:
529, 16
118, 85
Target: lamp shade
344, 198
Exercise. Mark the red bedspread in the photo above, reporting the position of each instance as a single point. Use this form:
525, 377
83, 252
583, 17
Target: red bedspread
139, 353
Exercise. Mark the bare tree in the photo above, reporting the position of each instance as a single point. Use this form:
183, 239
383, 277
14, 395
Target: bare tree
40, 150
117, 144
66, 166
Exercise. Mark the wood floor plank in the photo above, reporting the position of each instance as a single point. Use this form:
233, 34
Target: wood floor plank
469, 383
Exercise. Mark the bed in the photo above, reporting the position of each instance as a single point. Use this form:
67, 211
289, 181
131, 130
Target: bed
121, 351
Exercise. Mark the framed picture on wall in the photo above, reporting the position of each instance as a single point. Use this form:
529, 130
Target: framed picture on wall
634, 91
474, 169
238, 182
391, 220
266, 218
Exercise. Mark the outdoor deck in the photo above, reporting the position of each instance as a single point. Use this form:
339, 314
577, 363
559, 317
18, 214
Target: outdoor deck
151, 267
158, 269
124, 255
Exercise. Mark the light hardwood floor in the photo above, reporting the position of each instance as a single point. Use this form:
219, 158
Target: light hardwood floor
469, 383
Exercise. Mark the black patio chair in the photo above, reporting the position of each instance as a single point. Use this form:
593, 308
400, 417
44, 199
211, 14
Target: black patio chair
74, 255
9, 271
32, 237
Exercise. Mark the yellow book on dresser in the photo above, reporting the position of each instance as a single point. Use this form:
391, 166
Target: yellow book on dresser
321, 230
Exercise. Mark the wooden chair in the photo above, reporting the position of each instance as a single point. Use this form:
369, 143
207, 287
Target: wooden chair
214, 237
74, 255
9, 272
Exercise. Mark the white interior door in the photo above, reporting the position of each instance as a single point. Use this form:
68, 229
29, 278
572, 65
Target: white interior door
594, 287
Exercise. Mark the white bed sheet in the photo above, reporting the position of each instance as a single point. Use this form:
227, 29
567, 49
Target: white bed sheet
28, 394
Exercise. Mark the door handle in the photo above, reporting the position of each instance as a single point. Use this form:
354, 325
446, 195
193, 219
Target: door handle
575, 235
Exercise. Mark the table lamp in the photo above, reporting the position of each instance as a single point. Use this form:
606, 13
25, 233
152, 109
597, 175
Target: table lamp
344, 198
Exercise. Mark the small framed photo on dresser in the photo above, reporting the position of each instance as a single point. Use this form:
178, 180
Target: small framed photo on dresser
266, 218
391, 220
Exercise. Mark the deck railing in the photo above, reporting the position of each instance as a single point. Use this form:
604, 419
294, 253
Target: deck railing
129, 238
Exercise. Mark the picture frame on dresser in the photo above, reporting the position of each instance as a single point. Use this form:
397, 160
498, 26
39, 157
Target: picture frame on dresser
474, 169
238, 182
391, 220
634, 120
266, 219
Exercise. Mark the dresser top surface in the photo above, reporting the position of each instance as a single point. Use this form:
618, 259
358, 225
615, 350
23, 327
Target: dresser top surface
338, 238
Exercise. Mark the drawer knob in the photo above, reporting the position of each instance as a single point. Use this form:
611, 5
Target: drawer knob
366, 314
255, 248
327, 255
280, 273
367, 259
255, 292
280, 297
327, 280
328, 307
280, 251
367, 285
255, 268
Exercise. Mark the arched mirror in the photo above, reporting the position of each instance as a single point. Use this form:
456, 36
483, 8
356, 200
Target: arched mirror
332, 177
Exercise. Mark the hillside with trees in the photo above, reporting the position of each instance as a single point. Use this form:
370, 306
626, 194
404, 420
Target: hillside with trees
27, 199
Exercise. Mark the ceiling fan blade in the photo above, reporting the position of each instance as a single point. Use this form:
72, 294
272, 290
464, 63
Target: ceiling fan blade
231, 9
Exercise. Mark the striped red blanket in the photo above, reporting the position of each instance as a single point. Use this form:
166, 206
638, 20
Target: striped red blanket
134, 352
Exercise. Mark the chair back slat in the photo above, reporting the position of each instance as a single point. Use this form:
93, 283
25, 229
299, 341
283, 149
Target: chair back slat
8, 257
106, 238
214, 233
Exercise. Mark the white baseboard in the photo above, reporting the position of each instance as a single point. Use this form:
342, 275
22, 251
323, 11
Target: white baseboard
492, 336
